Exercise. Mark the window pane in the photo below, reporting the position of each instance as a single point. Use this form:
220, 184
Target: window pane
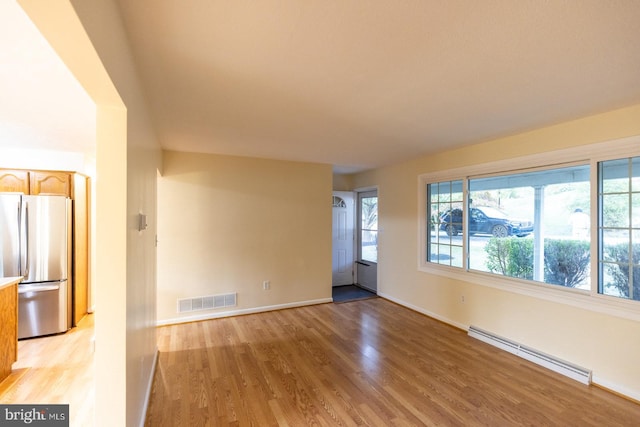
635, 210
611, 285
443, 237
615, 176
505, 240
369, 213
615, 212
617, 280
635, 174
615, 244
370, 245
369, 228
619, 248
635, 244
456, 256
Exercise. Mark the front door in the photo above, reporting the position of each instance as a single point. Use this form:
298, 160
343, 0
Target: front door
367, 262
343, 238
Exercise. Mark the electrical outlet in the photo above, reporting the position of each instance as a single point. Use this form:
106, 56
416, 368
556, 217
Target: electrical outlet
266, 285
462, 299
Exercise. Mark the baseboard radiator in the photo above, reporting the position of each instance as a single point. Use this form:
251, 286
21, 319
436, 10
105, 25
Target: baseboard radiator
560, 366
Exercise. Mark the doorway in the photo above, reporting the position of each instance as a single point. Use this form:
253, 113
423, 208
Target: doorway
367, 259
343, 238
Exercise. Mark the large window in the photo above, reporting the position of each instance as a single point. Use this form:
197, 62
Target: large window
619, 228
541, 224
532, 225
567, 220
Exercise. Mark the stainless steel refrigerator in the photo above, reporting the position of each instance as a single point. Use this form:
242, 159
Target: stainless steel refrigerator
35, 242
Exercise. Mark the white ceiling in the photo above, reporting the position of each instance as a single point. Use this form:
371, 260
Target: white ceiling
352, 83
360, 84
42, 106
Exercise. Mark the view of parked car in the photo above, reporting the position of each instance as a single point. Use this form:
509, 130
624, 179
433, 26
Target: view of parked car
485, 220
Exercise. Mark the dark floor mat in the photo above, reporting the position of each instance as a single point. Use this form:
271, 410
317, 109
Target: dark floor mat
350, 293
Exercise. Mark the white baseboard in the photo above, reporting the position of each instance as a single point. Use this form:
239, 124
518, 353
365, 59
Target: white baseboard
147, 395
616, 388
423, 311
229, 313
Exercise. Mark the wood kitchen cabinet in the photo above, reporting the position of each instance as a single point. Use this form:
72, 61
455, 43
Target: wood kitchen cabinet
8, 325
50, 183
14, 181
80, 267
36, 182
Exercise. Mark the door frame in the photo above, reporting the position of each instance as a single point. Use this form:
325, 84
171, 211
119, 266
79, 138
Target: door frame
358, 226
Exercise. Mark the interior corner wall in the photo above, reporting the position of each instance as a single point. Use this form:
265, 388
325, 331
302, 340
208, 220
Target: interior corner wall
227, 224
90, 39
601, 342
342, 182
131, 302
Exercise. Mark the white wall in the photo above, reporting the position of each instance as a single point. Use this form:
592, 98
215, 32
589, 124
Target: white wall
226, 224
19, 158
90, 39
605, 343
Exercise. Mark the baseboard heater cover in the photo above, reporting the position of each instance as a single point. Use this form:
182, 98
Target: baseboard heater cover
550, 362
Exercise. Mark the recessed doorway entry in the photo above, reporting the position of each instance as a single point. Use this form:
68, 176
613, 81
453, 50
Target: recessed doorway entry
367, 248
343, 241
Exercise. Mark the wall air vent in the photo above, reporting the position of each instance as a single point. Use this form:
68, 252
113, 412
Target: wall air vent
550, 362
187, 305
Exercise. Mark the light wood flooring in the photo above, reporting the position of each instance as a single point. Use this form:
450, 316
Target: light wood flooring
367, 362
56, 370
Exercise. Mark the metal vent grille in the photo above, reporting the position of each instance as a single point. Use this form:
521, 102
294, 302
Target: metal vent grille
186, 305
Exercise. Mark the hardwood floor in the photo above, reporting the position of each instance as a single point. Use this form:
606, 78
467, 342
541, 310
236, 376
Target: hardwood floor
367, 362
56, 370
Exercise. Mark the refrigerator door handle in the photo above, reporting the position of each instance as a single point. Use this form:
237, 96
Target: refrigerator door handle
23, 289
25, 252
19, 236
22, 257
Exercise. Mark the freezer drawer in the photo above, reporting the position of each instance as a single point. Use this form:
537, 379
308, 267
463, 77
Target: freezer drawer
43, 309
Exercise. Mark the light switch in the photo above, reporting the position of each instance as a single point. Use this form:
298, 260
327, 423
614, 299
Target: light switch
142, 222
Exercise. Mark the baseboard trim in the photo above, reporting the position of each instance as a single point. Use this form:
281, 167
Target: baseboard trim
147, 397
230, 313
624, 392
423, 311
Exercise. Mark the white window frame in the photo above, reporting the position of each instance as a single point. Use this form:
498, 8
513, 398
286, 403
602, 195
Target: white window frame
586, 299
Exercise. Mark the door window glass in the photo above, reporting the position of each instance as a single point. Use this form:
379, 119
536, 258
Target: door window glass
369, 228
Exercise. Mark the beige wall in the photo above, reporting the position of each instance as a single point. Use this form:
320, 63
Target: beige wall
342, 182
226, 224
90, 39
606, 344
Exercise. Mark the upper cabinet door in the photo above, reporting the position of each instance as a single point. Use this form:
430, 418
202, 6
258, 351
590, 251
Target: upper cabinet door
14, 181
50, 183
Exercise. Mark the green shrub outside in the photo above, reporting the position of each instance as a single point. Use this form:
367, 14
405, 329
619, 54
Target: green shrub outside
619, 271
510, 256
566, 262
